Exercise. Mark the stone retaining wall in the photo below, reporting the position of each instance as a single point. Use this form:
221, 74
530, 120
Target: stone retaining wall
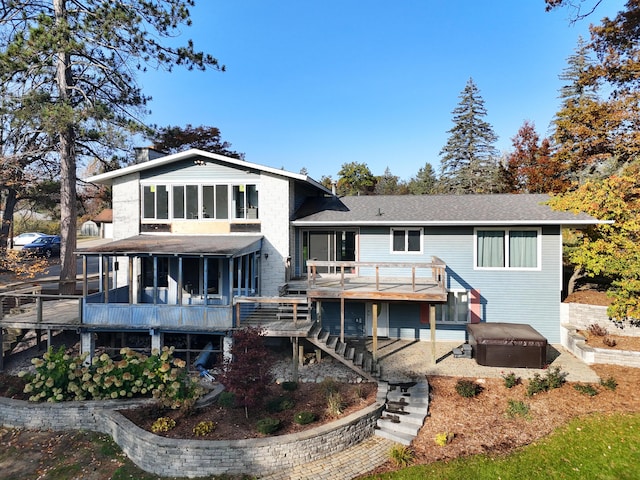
576, 344
192, 458
581, 316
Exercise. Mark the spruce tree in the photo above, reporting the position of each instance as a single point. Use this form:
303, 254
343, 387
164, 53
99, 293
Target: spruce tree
469, 160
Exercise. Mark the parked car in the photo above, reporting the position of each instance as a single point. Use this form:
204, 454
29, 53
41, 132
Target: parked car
44, 246
25, 238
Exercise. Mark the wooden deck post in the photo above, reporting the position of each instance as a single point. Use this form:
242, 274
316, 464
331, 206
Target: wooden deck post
295, 314
342, 319
238, 314
432, 325
375, 332
295, 359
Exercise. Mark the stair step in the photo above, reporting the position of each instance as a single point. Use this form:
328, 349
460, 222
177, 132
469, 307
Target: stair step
332, 341
315, 331
368, 362
397, 437
408, 409
323, 336
414, 400
412, 418
350, 353
390, 424
359, 359
341, 348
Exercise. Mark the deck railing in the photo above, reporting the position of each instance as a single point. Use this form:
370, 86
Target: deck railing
435, 269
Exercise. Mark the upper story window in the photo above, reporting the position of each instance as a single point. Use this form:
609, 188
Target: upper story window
406, 240
191, 201
508, 248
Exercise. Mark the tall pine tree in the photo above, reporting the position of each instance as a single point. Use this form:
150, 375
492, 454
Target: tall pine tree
79, 59
469, 160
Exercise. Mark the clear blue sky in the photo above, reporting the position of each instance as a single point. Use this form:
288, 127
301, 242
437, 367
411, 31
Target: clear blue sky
317, 83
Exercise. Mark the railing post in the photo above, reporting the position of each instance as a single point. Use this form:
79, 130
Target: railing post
377, 277
413, 279
238, 314
39, 309
342, 276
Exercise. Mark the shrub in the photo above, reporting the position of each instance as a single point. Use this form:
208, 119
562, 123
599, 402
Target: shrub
227, 399
609, 341
163, 424
267, 426
468, 388
517, 408
335, 404
303, 418
443, 438
554, 378
586, 389
204, 428
289, 386
61, 377
329, 385
597, 330
401, 455
610, 383
280, 404
511, 380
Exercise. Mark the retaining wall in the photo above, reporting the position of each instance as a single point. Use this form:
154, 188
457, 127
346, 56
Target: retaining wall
581, 316
192, 458
576, 344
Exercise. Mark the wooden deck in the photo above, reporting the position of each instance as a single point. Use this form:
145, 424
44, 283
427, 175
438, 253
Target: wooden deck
367, 288
53, 314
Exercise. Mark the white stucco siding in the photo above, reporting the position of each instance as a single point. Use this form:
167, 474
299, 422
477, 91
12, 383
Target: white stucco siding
274, 220
126, 217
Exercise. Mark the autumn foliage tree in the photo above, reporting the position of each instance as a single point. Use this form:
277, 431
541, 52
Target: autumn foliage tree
531, 167
246, 373
610, 249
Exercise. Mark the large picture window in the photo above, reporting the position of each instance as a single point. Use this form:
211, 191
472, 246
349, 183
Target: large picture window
507, 248
406, 240
189, 202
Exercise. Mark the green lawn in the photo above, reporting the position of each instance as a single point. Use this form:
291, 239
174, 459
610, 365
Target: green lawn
594, 447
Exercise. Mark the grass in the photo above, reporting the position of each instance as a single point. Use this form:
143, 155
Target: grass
602, 447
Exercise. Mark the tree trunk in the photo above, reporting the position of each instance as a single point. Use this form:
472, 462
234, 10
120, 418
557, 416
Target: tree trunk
575, 276
68, 206
7, 218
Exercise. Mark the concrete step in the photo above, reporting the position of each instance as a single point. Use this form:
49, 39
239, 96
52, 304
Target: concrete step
413, 418
407, 408
393, 424
398, 437
413, 400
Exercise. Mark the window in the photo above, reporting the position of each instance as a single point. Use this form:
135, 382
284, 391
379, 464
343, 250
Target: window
456, 310
510, 248
188, 202
405, 240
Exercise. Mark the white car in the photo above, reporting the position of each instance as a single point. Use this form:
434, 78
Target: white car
25, 238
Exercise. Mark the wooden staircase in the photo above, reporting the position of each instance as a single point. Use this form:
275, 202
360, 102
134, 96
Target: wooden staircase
353, 354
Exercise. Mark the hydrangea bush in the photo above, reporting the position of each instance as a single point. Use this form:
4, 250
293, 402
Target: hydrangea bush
61, 377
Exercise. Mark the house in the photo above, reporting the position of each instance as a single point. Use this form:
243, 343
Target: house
104, 221
204, 244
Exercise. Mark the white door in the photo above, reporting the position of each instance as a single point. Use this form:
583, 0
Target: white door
383, 319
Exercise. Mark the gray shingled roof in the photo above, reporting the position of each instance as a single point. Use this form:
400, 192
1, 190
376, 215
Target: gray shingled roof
507, 209
225, 245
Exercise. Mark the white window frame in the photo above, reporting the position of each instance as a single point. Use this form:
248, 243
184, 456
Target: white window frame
444, 310
406, 231
507, 231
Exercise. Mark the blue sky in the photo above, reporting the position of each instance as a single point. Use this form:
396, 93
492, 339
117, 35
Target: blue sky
318, 83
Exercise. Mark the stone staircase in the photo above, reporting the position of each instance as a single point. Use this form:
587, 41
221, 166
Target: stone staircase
407, 405
353, 354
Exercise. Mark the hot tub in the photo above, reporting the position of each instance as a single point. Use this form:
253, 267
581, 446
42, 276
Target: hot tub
507, 345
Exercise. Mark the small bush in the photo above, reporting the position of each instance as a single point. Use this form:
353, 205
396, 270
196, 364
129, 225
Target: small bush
335, 404
511, 380
267, 426
163, 424
609, 341
468, 388
554, 378
401, 455
610, 383
443, 438
227, 400
517, 408
203, 428
586, 389
596, 330
303, 418
329, 385
289, 386
279, 404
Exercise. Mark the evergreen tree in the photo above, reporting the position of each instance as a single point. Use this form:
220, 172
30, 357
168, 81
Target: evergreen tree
469, 159
172, 139
388, 184
424, 183
79, 59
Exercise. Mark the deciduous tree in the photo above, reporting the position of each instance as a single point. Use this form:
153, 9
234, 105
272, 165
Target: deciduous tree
613, 249
355, 179
79, 59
